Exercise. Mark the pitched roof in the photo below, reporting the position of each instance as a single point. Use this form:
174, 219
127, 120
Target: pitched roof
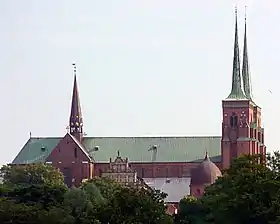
137, 149
36, 150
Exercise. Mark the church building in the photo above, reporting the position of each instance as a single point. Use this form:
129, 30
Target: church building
178, 166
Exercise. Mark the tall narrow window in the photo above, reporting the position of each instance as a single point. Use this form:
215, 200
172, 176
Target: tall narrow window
143, 172
166, 172
233, 120
75, 152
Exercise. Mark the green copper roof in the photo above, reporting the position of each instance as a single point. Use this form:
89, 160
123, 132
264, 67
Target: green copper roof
245, 68
236, 88
137, 149
36, 150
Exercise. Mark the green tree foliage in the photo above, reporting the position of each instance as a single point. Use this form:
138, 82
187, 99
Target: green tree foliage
36, 194
129, 205
32, 194
94, 194
248, 192
78, 201
33, 184
31, 174
190, 211
273, 162
20, 213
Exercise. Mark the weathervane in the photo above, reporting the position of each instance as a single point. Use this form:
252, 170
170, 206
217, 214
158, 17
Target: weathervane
74, 68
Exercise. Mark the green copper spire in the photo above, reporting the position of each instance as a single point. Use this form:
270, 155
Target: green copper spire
236, 89
245, 68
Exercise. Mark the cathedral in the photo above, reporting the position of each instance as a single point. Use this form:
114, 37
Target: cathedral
179, 166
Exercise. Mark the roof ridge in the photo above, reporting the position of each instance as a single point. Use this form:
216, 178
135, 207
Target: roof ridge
39, 137
163, 136
152, 136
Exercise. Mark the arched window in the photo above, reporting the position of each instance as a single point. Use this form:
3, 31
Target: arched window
233, 120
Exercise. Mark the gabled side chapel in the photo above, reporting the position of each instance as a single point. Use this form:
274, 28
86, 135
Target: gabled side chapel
173, 164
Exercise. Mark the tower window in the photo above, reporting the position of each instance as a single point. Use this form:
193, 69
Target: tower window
143, 172
75, 152
233, 120
166, 172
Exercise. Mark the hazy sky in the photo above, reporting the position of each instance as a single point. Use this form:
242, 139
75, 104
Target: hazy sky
144, 67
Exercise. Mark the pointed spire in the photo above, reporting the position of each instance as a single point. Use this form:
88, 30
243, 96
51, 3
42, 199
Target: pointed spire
76, 119
245, 67
236, 89
206, 155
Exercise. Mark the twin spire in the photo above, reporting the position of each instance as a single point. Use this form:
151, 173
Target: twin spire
76, 119
241, 88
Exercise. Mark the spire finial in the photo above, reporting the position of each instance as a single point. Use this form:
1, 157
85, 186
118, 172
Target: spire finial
235, 10
74, 69
118, 153
245, 13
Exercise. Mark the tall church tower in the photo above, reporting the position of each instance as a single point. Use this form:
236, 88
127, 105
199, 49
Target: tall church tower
241, 125
76, 118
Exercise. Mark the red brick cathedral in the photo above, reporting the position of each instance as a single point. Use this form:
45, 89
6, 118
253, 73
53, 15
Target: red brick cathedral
178, 166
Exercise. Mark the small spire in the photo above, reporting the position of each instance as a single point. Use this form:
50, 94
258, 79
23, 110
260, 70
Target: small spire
118, 153
245, 66
76, 119
206, 155
236, 88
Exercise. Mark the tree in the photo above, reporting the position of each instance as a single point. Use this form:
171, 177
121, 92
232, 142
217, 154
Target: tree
248, 192
127, 204
32, 194
78, 201
106, 186
33, 184
21, 213
137, 205
190, 211
273, 162
31, 174
36, 194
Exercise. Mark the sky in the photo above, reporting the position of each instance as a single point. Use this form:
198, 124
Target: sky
144, 67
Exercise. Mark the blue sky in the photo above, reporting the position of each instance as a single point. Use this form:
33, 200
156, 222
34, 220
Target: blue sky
144, 67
